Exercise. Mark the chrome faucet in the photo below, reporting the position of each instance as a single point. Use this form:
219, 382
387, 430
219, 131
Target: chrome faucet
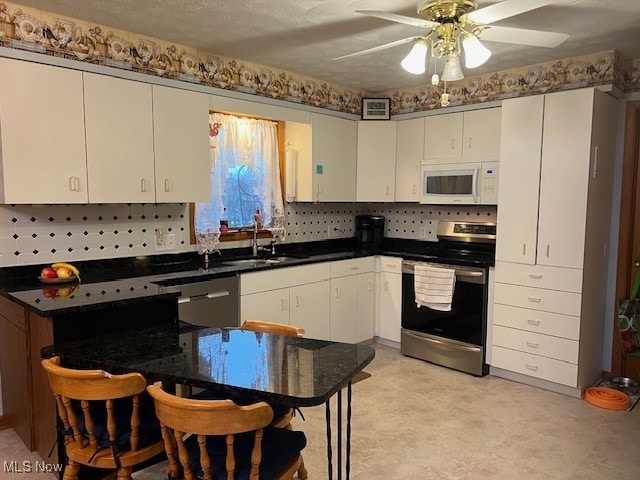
254, 245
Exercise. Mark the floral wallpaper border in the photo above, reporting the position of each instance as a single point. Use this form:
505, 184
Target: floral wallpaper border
34, 30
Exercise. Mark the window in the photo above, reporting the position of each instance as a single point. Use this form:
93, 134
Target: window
245, 175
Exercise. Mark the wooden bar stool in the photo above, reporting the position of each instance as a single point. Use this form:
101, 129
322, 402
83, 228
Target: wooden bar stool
227, 441
108, 420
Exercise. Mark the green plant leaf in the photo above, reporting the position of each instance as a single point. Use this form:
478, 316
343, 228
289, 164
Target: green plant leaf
636, 286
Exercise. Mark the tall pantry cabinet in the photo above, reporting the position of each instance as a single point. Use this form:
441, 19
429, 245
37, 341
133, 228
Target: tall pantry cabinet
556, 177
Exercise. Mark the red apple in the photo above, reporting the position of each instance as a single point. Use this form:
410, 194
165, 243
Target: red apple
48, 272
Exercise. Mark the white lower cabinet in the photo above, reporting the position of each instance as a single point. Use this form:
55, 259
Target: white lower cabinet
294, 295
389, 298
352, 300
310, 309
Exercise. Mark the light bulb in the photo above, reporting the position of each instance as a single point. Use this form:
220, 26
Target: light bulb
435, 79
475, 54
415, 59
452, 70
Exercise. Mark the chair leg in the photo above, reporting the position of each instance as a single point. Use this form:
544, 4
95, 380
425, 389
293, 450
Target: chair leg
302, 471
124, 473
71, 471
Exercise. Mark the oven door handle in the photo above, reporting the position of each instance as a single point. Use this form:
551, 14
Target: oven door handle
408, 267
441, 344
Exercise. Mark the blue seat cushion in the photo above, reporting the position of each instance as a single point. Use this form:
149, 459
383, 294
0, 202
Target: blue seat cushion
279, 448
149, 431
242, 400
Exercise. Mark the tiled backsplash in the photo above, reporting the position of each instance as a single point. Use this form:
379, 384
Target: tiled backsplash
39, 234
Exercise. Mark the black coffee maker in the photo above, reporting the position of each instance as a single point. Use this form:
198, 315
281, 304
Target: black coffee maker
369, 231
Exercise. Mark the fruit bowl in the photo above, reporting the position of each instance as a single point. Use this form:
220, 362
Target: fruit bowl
73, 278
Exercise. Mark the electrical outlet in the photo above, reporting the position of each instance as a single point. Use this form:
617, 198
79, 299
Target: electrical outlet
166, 242
423, 232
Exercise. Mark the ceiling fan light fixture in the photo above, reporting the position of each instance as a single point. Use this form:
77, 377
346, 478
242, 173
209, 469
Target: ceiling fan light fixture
414, 62
452, 70
475, 54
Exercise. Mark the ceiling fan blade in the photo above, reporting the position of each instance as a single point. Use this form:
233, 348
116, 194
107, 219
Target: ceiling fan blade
414, 22
523, 36
506, 9
379, 47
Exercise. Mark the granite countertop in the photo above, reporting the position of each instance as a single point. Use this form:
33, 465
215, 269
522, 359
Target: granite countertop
116, 282
291, 370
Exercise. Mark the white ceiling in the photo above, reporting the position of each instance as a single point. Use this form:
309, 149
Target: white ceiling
303, 36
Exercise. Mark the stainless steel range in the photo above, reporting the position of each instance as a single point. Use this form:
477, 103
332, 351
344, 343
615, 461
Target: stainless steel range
454, 337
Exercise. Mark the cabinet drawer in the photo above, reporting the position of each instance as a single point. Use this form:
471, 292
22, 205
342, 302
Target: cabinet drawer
536, 344
535, 366
553, 278
283, 277
389, 264
547, 323
538, 299
352, 266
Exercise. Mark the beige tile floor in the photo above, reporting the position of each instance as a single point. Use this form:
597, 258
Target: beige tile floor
413, 420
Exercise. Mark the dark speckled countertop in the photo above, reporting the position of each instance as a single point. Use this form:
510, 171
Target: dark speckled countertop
290, 370
118, 282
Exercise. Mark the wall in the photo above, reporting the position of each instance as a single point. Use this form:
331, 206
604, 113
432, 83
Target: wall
41, 234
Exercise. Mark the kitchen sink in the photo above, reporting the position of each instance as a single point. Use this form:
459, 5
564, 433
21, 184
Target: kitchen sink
260, 261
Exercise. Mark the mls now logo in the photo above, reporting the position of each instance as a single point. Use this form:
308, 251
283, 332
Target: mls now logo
29, 467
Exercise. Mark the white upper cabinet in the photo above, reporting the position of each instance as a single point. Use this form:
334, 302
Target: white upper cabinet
41, 134
321, 160
333, 156
409, 155
376, 161
181, 145
463, 134
443, 136
119, 130
520, 152
481, 132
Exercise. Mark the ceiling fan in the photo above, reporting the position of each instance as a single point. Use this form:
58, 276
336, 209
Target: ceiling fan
454, 26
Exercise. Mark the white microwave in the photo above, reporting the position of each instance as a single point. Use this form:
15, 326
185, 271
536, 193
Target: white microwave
468, 183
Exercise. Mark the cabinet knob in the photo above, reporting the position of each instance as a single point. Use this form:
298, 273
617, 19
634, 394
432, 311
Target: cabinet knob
415, 189
143, 185
524, 249
535, 323
453, 144
533, 344
470, 142
531, 366
168, 187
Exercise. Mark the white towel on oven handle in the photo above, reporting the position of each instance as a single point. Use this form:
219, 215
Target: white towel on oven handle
434, 286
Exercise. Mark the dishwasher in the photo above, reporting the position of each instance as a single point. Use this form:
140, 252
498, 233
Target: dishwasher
212, 303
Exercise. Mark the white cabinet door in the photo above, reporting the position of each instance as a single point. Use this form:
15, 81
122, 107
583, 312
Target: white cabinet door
365, 308
390, 305
481, 132
344, 304
270, 306
181, 145
334, 158
520, 153
409, 155
310, 309
376, 161
443, 136
298, 163
564, 180
119, 130
41, 134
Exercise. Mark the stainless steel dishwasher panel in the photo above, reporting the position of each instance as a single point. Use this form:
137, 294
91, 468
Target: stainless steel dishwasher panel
214, 303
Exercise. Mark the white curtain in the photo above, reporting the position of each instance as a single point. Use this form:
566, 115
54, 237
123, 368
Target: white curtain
245, 174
